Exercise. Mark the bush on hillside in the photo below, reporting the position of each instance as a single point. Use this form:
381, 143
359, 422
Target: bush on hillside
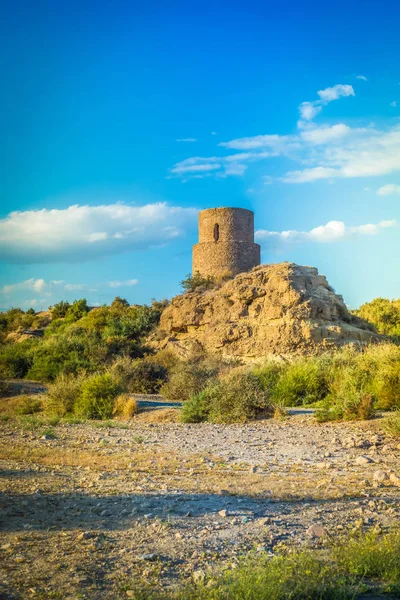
62, 394
28, 405
197, 281
16, 359
237, 398
384, 314
141, 376
302, 382
97, 397
187, 379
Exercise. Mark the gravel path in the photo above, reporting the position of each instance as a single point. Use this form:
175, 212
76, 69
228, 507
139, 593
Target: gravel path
97, 511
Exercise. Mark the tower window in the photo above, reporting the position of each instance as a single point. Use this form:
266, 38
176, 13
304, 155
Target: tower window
216, 232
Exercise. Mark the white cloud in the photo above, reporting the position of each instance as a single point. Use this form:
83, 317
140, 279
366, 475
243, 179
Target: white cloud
275, 142
325, 134
309, 110
126, 283
393, 104
334, 93
81, 233
365, 153
388, 189
331, 232
307, 175
362, 77
213, 133
72, 287
183, 169
189, 140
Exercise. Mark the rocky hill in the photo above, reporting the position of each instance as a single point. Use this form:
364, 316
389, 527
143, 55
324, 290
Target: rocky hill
281, 309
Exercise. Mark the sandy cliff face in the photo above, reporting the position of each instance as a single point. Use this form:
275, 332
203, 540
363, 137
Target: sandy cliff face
274, 309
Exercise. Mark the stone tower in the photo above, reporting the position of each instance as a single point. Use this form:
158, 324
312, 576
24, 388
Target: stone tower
226, 242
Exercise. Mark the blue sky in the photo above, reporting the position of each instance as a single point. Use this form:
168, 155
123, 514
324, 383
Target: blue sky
119, 121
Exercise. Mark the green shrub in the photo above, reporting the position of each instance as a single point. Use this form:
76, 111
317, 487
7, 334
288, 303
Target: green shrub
383, 314
16, 359
97, 397
197, 408
196, 281
268, 374
392, 424
299, 383
59, 310
371, 556
141, 376
28, 405
63, 394
187, 379
236, 398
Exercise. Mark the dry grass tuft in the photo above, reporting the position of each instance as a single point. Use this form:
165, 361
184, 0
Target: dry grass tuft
125, 407
162, 415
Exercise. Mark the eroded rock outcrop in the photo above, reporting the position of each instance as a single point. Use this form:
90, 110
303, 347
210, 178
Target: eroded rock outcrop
278, 309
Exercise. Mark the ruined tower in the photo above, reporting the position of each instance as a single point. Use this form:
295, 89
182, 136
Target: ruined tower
226, 242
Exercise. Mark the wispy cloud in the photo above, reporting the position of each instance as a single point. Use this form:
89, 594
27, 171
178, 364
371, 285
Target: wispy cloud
331, 232
80, 233
393, 104
388, 189
125, 283
188, 140
361, 77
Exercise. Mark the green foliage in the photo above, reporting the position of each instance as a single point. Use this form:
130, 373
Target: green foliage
82, 341
342, 572
59, 310
392, 424
97, 397
63, 394
78, 309
16, 359
187, 379
119, 303
197, 281
383, 314
301, 382
372, 556
28, 405
141, 375
360, 381
236, 398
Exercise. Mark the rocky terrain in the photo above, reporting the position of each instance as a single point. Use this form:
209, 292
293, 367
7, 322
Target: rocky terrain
89, 511
281, 309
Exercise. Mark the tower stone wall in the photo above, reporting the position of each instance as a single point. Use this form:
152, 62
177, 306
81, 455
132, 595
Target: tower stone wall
226, 242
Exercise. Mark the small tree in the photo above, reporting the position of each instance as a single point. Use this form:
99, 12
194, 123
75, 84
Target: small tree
59, 310
193, 282
78, 309
119, 303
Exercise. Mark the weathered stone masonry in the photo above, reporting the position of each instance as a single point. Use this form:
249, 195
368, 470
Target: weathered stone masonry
226, 242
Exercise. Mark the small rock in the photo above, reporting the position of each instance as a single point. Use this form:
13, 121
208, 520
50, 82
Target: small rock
380, 476
223, 512
363, 460
394, 479
316, 531
148, 557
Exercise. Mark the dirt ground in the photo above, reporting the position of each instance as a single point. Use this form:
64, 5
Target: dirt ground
97, 512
